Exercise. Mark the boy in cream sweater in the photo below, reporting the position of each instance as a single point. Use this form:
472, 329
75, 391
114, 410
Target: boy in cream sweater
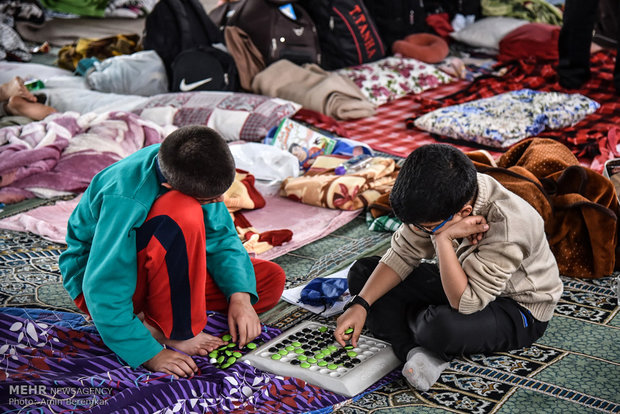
495, 284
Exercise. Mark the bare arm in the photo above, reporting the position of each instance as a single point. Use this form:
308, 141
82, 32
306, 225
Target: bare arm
381, 281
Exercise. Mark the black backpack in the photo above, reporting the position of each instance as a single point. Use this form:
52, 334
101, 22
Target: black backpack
274, 33
181, 28
347, 33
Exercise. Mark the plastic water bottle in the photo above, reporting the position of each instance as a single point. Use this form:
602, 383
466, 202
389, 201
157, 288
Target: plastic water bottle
353, 165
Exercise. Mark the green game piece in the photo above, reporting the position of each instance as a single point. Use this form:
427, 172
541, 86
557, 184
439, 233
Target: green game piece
290, 347
352, 354
220, 359
224, 366
312, 360
326, 351
321, 363
237, 354
231, 345
226, 337
348, 331
282, 352
231, 360
213, 354
332, 366
228, 353
251, 345
332, 348
323, 328
221, 348
348, 347
276, 356
302, 357
304, 365
296, 344
299, 351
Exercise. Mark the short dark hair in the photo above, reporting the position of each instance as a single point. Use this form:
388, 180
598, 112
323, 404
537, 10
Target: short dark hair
196, 161
435, 181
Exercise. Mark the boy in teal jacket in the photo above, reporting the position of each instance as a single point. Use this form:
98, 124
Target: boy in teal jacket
151, 247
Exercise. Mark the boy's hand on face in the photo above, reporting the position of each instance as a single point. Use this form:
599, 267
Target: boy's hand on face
472, 227
243, 322
172, 362
353, 318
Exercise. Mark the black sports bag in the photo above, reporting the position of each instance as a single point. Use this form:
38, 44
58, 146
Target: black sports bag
347, 33
204, 68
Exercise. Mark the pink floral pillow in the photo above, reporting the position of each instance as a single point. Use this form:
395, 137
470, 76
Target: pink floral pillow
387, 79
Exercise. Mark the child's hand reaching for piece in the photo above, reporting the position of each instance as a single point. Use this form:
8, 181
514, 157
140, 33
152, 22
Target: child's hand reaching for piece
353, 318
243, 322
171, 362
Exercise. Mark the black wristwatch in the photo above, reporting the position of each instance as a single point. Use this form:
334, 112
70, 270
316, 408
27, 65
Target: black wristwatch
357, 300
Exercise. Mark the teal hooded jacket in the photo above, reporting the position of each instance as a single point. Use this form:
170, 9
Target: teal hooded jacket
101, 259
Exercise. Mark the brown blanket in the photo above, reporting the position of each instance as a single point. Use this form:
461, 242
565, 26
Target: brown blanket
579, 206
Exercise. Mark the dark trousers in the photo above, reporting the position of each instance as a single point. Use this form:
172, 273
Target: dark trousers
580, 17
417, 313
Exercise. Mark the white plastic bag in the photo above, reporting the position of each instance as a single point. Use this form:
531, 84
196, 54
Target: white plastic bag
265, 162
141, 73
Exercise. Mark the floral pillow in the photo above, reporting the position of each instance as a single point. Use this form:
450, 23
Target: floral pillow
237, 116
390, 78
503, 120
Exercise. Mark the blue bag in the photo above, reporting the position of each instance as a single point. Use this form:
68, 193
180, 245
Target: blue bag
323, 291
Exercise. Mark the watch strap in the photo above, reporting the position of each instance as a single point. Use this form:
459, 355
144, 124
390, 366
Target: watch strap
358, 300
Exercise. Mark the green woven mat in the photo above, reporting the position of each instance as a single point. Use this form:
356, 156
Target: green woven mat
573, 368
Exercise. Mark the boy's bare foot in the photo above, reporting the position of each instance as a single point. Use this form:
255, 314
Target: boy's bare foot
201, 344
15, 87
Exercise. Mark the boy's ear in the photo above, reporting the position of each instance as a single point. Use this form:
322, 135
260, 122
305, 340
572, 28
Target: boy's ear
168, 186
466, 210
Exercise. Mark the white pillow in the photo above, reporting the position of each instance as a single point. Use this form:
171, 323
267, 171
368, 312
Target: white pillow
487, 32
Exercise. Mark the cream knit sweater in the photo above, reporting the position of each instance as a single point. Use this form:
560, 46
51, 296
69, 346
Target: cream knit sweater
513, 259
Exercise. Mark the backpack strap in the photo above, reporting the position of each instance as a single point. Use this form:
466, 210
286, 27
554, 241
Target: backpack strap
213, 32
180, 15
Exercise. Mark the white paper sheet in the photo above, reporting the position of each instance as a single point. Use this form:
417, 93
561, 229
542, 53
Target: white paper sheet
292, 296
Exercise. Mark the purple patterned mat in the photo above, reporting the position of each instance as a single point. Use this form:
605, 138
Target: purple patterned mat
55, 362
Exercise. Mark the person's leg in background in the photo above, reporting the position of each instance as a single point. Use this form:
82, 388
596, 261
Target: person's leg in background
617, 67
575, 41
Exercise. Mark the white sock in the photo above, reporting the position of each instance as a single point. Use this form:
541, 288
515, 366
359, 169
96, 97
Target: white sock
423, 369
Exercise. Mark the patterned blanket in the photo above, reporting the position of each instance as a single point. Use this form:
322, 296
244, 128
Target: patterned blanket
322, 187
63, 152
56, 362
